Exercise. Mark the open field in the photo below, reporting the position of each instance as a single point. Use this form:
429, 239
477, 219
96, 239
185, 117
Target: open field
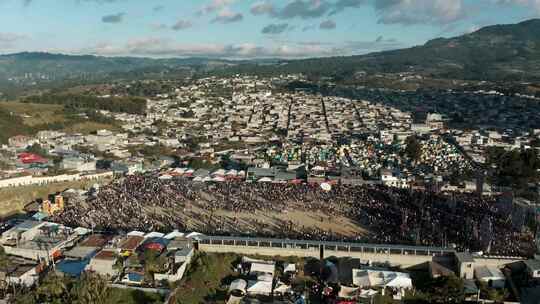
13, 200
35, 114
89, 127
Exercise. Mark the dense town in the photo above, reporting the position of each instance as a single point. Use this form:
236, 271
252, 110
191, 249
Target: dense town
359, 198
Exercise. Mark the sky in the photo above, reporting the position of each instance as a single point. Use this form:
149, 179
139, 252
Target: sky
243, 29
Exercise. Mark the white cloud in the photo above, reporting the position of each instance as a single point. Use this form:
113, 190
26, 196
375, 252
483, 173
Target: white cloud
168, 48
420, 11
9, 40
215, 5
227, 16
261, 8
182, 25
532, 4
327, 25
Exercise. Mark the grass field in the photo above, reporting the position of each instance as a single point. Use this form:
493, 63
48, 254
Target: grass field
205, 278
29, 118
35, 114
89, 127
130, 296
13, 200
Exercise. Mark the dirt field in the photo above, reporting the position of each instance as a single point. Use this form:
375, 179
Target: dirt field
13, 200
197, 219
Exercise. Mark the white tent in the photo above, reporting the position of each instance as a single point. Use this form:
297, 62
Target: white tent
136, 233
326, 186
262, 268
165, 177
154, 235
265, 180
347, 292
259, 288
82, 230
219, 172
238, 285
234, 300
366, 293
179, 170
174, 234
194, 235
232, 172
282, 288
198, 179
375, 278
289, 267
218, 179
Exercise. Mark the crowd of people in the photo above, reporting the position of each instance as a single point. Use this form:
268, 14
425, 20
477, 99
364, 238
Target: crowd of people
393, 216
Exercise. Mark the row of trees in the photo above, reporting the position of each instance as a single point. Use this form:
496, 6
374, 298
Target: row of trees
74, 102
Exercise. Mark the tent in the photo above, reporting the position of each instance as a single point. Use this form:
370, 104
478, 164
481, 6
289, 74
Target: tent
234, 300
238, 286
194, 235
375, 278
265, 180
198, 179
173, 235
232, 172
259, 288
136, 233
347, 292
179, 170
260, 268
367, 293
289, 267
282, 289
165, 177
326, 186
219, 172
218, 179
154, 235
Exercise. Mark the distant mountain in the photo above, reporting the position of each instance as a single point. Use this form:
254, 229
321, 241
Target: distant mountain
499, 52
57, 67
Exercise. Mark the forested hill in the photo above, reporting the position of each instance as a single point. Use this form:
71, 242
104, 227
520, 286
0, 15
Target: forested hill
46, 66
499, 52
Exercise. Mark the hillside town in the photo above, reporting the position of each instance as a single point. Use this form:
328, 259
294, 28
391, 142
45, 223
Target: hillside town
242, 169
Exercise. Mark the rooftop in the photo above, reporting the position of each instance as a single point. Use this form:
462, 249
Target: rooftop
105, 255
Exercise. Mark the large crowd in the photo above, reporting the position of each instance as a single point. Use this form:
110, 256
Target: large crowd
394, 216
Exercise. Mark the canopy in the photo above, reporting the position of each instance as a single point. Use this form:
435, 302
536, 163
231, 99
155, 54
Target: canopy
347, 292
326, 186
238, 285
259, 288
218, 179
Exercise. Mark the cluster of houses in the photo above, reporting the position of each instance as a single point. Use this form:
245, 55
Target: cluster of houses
245, 119
134, 259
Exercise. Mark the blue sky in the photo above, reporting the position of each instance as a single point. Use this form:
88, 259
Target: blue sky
243, 28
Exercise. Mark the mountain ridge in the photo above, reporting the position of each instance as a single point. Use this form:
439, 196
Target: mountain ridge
495, 52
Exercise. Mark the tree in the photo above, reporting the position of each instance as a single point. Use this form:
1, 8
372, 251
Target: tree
413, 148
445, 290
54, 289
91, 288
